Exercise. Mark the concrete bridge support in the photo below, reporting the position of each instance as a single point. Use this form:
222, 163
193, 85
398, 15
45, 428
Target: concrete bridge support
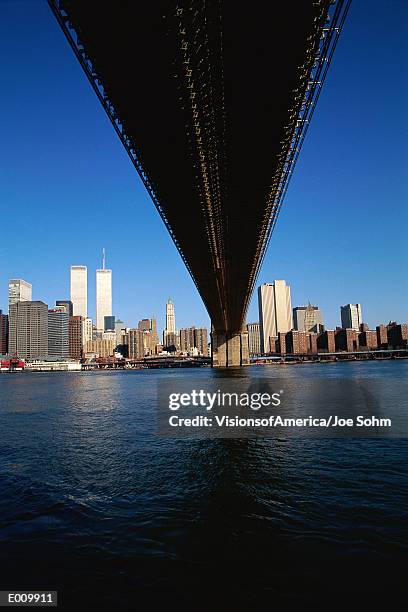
229, 349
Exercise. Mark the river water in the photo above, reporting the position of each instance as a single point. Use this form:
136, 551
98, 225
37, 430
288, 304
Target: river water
97, 506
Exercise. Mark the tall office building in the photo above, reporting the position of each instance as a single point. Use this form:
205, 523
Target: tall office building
79, 291
3, 333
194, 339
120, 329
170, 336
136, 344
201, 341
68, 306
144, 325
88, 330
275, 311
19, 291
153, 332
254, 338
351, 317
103, 295
58, 332
187, 340
307, 318
76, 339
109, 323
170, 316
28, 329
101, 347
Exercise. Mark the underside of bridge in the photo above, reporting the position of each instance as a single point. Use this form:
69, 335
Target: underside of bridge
212, 100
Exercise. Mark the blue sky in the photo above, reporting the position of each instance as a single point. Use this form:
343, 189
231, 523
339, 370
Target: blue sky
67, 187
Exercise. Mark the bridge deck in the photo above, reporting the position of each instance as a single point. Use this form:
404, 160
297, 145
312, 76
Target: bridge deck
207, 98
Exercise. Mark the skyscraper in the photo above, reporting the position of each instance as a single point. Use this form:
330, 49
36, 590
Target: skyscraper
79, 290
275, 311
109, 323
154, 334
136, 344
351, 317
68, 306
144, 325
119, 327
88, 330
3, 333
28, 329
103, 295
307, 318
194, 339
19, 290
170, 336
76, 339
170, 317
254, 338
58, 332
201, 341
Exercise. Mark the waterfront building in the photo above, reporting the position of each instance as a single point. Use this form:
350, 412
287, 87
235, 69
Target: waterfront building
346, 340
273, 344
326, 341
296, 342
101, 348
275, 311
254, 339
103, 296
4, 330
382, 336
122, 342
79, 291
398, 335
109, 323
280, 344
312, 342
68, 305
136, 347
201, 341
194, 340
187, 339
171, 341
19, 290
307, 318
58, 332
367, 339
351, 317
28, 329
76, 339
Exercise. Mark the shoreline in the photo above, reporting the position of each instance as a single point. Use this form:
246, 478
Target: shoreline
269, 362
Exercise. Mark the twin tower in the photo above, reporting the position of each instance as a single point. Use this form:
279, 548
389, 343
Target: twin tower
79, 293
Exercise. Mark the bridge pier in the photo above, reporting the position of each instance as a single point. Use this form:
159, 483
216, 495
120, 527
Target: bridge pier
229, 349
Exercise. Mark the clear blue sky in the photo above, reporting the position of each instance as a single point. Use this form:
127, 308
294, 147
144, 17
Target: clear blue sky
67, 187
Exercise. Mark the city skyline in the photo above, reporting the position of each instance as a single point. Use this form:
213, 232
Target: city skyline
284, 317
337, 266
